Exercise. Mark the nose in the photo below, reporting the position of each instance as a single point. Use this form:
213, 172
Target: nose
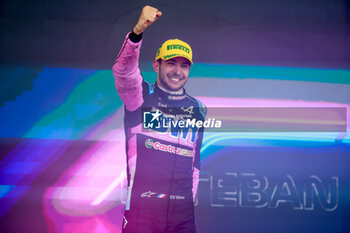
177, 69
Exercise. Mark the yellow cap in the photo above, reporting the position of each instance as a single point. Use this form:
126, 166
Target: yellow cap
174, 48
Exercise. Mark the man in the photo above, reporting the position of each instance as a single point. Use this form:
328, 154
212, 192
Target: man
162, 164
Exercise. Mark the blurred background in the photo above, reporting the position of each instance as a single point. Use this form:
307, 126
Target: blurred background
62, 156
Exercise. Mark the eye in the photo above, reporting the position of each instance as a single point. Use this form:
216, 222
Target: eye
185, 66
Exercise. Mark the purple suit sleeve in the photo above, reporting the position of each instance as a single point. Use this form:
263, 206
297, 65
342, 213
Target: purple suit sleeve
128, 79
196, 165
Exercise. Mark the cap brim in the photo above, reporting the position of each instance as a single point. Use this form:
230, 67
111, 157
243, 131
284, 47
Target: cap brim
175, 55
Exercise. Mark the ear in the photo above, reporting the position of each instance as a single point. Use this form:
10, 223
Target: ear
156, 66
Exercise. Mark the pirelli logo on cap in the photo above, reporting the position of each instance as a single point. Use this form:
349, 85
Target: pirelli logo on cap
178, 46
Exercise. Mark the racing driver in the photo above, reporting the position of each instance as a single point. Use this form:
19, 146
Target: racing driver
162, 163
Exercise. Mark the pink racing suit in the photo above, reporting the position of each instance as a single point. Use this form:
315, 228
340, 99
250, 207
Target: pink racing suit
162, 163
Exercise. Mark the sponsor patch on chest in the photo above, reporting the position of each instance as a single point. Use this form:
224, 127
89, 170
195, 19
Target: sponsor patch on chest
156, 145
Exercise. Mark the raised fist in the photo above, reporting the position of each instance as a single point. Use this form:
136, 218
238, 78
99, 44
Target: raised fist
148, 16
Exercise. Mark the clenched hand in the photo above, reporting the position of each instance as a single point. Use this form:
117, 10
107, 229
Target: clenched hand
148, 16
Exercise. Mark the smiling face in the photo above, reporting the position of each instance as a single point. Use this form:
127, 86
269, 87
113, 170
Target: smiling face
172, 74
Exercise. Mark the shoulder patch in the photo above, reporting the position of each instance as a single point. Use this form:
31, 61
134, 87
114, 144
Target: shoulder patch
202, 108
150, 88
